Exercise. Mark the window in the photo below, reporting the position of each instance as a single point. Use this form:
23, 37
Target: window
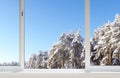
9, 33
52, 36
105, 31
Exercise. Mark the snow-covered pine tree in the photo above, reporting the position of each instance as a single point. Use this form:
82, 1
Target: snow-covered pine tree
66, 53
105, 45
37, 61
32, 61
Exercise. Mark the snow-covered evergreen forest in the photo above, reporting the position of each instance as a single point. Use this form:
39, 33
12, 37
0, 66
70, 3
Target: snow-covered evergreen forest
67, 53
105, 45
9, 64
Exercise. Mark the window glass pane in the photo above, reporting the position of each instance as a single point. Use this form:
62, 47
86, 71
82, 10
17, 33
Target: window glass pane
52, 36
9, 32
105, 32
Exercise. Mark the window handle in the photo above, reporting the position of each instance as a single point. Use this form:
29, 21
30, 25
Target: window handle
22, 13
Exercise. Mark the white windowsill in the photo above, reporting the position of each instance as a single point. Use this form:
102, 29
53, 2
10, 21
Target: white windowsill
61, 75
58, 73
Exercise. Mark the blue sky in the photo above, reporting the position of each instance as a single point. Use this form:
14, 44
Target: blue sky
9, 30
45, 20
102, 11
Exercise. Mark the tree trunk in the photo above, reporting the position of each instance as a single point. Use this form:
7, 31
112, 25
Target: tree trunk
119, 57
63, 62
110, 56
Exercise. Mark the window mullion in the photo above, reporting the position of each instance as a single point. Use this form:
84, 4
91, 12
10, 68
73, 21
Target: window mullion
87, 34
22, 34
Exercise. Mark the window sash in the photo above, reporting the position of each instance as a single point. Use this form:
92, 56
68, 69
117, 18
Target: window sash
89, 67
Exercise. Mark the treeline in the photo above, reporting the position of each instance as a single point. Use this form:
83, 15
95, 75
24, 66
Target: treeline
9, 64
67, 53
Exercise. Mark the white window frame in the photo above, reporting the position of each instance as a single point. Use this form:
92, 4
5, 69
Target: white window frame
89, 67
